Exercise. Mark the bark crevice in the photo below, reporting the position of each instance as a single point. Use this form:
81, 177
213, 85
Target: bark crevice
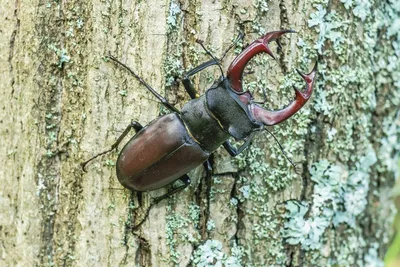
12, 45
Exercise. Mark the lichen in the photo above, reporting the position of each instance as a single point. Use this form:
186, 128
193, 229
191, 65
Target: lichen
174, 10
173, 223
388, 153
172, 68
173, 65
329, 26
371, 259
340, 195
211, 254
210, 225
62, 54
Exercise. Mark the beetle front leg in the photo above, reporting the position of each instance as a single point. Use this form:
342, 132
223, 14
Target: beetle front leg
233, 151
133, 125
187, 83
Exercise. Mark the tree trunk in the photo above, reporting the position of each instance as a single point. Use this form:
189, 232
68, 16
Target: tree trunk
63, 101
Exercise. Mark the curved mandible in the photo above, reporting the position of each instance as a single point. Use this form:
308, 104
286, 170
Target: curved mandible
235, 70
268, 117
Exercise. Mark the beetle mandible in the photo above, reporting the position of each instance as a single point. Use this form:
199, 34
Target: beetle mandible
170, 146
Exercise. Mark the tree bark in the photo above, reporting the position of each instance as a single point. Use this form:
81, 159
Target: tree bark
63, 101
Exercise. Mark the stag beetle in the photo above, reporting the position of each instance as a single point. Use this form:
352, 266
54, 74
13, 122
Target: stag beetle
170, 146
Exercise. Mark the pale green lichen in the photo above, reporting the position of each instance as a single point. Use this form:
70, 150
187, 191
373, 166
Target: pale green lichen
62, 54
194, 213
123, 92
261, 5
178, 228
79, 23
172, 19
244, 192
371, 259
389, 146
340, 195
307, 232
234, 201
172, 68
175, 222
211, 254
210, 225
173, 65
329, 26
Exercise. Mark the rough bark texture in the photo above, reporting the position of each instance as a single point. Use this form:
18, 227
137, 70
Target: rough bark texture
62, 102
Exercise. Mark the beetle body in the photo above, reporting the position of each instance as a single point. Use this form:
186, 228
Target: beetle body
172, 145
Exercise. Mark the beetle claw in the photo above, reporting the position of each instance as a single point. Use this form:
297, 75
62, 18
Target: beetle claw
274, 36
310, 76
235, 73
261, 45
274, 117
297, 91
301, 74
309, 79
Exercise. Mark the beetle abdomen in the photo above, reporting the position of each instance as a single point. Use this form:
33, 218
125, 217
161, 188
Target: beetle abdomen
158, 154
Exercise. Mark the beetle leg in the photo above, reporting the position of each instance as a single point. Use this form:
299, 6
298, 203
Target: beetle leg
274, 117
185, 179
235, 70
187, 83
215, 61
233, 151
133, 125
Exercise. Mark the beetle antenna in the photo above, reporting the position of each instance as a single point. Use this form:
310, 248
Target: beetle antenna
238, 38
284, 152
200, 42
143, 82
